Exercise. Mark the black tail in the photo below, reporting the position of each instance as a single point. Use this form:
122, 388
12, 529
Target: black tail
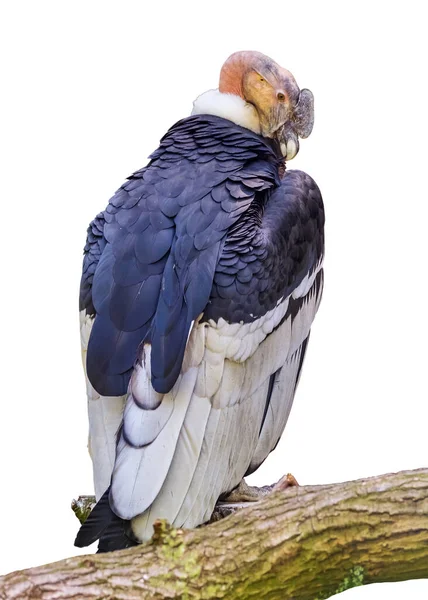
104, 525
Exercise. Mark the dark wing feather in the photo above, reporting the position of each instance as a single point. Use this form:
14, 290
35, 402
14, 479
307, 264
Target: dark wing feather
269, 251
164, 231
95, 244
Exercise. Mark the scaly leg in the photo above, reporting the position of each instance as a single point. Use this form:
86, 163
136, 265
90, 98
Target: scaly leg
247, 493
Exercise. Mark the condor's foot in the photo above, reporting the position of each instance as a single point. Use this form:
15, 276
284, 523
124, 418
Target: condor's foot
248, 493
285, 482
244, 493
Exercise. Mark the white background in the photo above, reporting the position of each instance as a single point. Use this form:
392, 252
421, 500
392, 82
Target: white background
89, 88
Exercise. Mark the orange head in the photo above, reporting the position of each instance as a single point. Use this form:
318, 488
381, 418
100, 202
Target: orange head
285, 112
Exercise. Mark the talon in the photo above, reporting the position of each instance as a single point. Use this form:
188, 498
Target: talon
285, 482
247, 493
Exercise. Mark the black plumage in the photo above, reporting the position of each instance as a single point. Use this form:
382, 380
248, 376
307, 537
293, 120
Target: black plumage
216, 227
95, 244
112, 531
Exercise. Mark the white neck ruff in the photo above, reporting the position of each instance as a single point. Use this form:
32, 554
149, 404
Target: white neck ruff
228, 106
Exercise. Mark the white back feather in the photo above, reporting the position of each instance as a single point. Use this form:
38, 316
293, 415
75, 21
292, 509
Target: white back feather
105, 416
139, 473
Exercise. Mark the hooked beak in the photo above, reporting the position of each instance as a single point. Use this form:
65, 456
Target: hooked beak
299, 124
288, 141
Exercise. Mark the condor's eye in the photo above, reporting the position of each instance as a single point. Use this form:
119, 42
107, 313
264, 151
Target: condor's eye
261, 79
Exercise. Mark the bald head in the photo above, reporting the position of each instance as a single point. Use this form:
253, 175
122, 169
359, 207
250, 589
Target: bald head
248, 67
274, 93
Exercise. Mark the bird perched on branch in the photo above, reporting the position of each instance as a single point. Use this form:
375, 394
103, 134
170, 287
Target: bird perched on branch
200, 283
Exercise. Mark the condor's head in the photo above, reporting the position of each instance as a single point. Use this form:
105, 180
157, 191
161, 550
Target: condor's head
255, 92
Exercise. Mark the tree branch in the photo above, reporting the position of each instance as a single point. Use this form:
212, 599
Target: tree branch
304, 543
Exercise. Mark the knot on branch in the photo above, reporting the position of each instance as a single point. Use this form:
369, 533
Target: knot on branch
166, 534
82, 507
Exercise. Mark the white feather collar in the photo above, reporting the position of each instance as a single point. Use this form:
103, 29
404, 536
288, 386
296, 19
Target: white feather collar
231, 107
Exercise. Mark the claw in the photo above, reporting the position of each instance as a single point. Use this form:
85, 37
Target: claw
285, 482
247, 493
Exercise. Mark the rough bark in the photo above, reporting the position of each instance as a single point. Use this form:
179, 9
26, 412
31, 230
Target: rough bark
300, 543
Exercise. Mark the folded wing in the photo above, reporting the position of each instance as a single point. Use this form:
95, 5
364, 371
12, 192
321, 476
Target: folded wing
203, 297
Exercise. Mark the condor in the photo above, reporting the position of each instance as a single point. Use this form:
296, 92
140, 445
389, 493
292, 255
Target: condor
200, 283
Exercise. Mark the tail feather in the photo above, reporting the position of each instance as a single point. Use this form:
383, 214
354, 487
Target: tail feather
116, 536
98, 521
103, 524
